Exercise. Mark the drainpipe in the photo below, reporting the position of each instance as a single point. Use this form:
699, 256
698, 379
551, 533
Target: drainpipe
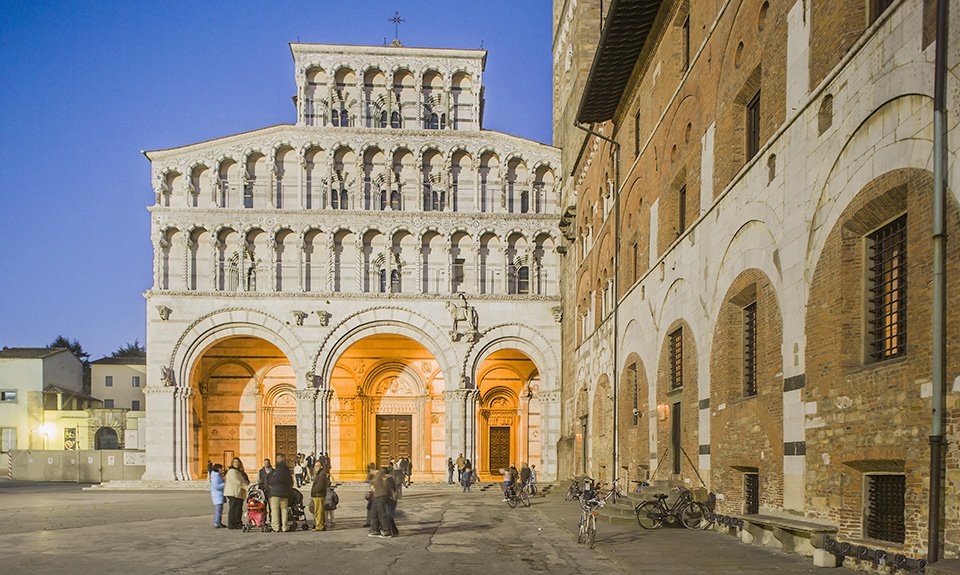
616, 297
939, 284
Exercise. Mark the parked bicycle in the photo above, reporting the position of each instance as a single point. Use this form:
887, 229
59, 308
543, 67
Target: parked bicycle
577, 487
684, 510
590, 505
517, 495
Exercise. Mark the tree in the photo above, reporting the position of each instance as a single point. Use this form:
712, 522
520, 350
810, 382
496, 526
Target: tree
130, 350
74, 347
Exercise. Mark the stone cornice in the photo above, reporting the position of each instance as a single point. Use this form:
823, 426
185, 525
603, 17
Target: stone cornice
367, 296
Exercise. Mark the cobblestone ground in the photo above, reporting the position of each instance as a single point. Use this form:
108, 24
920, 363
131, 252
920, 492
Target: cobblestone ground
60, 529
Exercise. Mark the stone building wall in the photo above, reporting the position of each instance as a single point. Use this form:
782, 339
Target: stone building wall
842, 108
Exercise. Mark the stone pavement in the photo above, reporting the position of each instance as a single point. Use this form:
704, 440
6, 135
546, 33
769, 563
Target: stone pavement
60, 529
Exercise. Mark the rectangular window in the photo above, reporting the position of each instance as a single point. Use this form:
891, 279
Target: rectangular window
636, 134
750, 350
753, 126
8, 439
686, 43
636, 261
108, 404
751, 493
135, 381
248, 196
135, 405
887, 281
682, 209
884, 507
633, 383
108, 381
676, 359
8, 396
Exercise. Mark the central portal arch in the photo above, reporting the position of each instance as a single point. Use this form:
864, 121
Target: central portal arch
387, 403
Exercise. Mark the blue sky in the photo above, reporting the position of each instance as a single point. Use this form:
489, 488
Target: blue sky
87, 85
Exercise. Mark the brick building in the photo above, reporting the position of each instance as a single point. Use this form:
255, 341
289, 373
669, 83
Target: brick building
743, 183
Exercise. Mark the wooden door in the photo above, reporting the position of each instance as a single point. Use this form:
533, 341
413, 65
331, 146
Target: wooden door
499, 449
394, 437
285, 443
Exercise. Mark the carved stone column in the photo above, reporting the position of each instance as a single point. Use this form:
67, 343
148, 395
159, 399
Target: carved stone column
215, 245
471, 409
301, 181
161, 445
307, 418
323, 419
272, 273
301, 262
550, 432
456, 422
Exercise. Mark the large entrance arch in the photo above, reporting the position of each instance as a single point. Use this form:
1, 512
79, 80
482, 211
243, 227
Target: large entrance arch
387, 403
243, 404
510, 424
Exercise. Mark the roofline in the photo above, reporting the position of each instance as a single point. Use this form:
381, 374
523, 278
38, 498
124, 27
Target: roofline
424, 50
544, 144
244, 133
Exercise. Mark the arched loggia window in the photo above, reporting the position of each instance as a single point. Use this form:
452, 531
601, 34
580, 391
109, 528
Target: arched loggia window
523, 280
395, 200
396, 121
383, 119
383, 280
395, 281
335, 117
433, 122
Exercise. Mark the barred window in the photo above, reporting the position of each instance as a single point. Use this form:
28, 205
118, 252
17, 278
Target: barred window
751, 493
753, 126
887, 280
682, 207
634, 384
676, 359
750, 350
884, 509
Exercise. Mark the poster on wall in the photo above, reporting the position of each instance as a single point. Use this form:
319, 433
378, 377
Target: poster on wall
131, 439
134, 458
70, 438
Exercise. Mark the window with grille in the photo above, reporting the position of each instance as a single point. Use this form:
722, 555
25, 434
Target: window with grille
682, 209
887, 280
523, 280
753, 125
676, 359
686, 42
135, 405
135, 381
750, 350
884, 508
108, 381
636, 134
751, 493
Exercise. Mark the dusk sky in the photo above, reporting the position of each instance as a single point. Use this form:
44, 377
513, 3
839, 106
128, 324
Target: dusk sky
88, 85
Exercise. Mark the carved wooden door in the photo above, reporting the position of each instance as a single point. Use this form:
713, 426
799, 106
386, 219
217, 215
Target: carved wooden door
394, 437
499, 449
285, 442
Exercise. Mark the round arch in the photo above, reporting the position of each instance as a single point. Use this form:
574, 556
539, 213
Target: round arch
522, 338
106, 438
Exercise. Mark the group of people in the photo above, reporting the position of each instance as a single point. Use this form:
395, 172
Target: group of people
466, 474
304, 469
525, 476
278, 485
386, 487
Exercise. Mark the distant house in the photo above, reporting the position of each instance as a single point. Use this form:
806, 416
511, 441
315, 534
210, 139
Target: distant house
119, 381
33, 379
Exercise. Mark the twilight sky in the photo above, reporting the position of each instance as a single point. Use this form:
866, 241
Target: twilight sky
87, 85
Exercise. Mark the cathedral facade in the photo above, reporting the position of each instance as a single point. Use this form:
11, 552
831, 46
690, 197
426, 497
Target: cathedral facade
377, 280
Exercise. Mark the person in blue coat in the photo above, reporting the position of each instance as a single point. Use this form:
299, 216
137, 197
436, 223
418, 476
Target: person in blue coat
216, 494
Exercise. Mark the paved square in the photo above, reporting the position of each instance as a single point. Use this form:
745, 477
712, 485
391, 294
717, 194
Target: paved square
60, 529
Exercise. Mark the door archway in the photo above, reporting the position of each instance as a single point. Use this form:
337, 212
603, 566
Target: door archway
106, 438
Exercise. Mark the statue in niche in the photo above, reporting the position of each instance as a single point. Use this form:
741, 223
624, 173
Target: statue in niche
167, 377
463, 312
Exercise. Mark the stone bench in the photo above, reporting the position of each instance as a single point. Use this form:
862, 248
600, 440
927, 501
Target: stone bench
786, 533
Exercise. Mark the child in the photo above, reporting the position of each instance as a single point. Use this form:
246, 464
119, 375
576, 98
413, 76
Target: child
330, 504
298, 474
216, 494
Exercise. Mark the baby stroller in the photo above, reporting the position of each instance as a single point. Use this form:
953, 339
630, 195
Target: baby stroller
257, 515
296, 511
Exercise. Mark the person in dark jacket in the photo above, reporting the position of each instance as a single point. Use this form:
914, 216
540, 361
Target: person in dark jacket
318, 491
281, 485
524, 475
384, 501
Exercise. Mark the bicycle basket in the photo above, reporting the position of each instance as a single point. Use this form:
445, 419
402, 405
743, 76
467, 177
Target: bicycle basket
699, 495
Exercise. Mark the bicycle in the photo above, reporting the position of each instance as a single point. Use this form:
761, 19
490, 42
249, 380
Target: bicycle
589, 509
516, 496
652, 514
576, 488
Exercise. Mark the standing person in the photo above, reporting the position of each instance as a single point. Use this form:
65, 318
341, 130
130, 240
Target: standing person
533, 480
384, 501
235, 489
264, 473
321, 483
330, 504
209, 467
466, 476
397, 475
311, 465
460, 463
298, 474
281, 485
216, 494
450, 468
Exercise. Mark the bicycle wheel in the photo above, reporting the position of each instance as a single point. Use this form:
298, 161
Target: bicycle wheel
592, 530
571, 494
512, 500
693, 515
525, 499
646, 514
582, 533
